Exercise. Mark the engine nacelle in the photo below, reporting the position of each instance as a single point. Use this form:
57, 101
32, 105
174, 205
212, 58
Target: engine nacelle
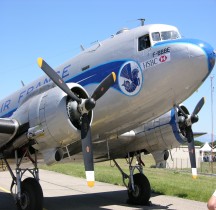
52, 155
54, 119
160, 134
160, 158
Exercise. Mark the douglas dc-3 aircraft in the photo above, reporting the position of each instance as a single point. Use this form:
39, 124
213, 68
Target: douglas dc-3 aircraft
110, 99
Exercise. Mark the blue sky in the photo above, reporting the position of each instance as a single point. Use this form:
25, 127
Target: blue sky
54, 30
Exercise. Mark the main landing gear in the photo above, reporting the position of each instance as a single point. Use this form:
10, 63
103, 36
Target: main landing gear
27, 193
138, 186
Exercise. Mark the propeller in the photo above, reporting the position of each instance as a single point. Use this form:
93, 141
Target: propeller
84, 106
185, 123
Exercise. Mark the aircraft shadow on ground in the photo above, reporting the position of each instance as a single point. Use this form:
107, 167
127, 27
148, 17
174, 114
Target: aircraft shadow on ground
7, 201
104, 200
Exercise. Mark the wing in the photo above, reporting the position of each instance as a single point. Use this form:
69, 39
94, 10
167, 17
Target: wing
198, 134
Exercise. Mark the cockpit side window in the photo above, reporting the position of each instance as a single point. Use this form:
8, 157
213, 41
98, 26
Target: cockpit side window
167, 35
144, 42
156, 36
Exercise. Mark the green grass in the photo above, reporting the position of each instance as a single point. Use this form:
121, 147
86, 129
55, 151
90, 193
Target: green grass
163, 181
181, 184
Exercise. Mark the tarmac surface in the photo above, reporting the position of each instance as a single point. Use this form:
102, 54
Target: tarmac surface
62, 192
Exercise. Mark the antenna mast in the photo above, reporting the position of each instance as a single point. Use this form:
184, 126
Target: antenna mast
142, 20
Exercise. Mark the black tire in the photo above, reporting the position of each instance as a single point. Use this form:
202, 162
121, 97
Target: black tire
31, 195
142, 192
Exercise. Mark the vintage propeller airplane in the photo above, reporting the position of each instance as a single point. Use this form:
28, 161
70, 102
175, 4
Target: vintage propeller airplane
129, 80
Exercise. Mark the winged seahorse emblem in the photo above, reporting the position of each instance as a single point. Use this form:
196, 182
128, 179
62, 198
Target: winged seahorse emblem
132, 80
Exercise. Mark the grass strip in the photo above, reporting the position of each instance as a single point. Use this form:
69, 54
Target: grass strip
163, 181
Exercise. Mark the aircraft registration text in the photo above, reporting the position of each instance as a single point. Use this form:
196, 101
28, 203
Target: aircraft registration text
164, 58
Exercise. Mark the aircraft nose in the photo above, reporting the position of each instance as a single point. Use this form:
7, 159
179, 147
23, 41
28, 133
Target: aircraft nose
209, 52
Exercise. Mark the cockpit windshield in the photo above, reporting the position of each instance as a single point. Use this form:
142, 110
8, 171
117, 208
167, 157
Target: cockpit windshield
165, 35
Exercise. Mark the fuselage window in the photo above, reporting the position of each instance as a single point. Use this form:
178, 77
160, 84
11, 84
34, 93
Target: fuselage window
144, 42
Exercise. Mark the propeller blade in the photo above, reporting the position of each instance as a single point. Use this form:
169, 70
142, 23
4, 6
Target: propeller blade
189, 134
56, 79
87, 150
191, 150
199, 106
104, 86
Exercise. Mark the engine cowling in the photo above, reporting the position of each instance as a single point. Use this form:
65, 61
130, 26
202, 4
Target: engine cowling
54, 119
162, 133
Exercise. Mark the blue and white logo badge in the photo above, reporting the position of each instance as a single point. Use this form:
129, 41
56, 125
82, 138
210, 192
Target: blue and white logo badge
130, 78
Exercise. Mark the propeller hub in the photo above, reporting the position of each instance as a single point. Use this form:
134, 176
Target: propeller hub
90, 104
194, 118
181, 119
86, 106
188, 121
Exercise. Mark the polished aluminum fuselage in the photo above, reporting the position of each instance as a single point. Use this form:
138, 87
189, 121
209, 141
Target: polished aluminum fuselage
164, 83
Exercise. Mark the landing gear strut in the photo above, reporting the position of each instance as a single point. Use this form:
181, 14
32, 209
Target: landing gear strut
27, 193
138, 187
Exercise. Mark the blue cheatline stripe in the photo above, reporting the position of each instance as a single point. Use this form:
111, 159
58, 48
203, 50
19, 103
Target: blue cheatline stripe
8, 114
96, 74
93, 76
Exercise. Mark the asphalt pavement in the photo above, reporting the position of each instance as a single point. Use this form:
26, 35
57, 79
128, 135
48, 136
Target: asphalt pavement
62, 192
